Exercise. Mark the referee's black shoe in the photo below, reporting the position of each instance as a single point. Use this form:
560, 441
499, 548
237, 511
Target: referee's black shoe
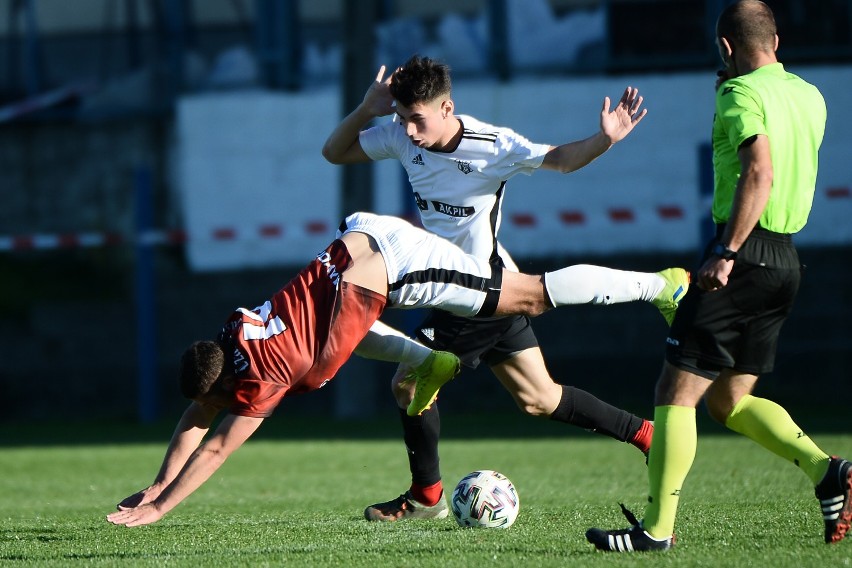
835, 497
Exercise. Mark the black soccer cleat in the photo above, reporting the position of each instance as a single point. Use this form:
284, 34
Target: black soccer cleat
405, 507
835, 497
634, 539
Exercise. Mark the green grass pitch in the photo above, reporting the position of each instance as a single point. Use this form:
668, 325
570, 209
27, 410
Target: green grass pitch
288, 500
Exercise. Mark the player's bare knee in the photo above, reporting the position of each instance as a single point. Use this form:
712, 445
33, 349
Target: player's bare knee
534, 410
403, 391
533, 406
719, 410
523, 294
530, 307
403, 397
537, 307
716, 415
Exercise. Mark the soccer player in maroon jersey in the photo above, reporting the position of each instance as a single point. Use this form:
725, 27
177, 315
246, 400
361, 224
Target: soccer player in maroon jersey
296, 341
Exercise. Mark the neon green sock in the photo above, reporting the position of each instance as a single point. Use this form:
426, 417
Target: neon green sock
771, 426
672, 453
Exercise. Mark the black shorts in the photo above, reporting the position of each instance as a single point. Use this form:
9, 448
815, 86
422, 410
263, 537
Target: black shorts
492, 340
737, 327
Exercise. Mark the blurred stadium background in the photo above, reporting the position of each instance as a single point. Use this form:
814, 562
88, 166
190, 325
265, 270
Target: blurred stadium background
161, 166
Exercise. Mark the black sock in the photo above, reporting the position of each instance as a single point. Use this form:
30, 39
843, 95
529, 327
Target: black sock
421, 435
582, 409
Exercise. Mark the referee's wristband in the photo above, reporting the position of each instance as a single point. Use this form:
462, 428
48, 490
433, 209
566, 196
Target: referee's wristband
723, 252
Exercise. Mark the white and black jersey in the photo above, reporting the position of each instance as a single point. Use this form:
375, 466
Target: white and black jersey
460, 193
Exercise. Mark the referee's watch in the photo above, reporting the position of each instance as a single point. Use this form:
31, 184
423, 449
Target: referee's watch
723, 252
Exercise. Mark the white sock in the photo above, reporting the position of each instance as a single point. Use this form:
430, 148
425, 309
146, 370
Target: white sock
385, 343
588, 284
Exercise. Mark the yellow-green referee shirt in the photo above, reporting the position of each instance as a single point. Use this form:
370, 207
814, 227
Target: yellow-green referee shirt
792, 114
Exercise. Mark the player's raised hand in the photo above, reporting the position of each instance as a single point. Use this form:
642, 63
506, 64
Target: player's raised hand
378, 99
617, 123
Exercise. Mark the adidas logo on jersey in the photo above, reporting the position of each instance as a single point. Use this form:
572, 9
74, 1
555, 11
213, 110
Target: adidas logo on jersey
429, 333
418, 160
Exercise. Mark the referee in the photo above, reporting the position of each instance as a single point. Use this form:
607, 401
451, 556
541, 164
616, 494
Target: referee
767, 132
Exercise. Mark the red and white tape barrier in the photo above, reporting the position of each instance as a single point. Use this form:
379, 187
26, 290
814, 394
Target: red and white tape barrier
154, 237
576, 217
569, 217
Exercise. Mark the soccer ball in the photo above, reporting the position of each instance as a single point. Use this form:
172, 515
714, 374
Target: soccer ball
485, 498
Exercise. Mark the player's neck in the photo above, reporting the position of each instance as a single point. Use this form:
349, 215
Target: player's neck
746, 65
450, 141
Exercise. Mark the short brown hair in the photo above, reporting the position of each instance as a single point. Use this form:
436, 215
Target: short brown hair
748, 24
200, 366
420, 80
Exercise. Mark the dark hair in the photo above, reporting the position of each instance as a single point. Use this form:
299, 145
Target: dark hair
420, 80
200, 367
748, 24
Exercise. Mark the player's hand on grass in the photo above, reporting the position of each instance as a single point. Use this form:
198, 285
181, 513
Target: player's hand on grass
617, 123
138, 516
378, 100
139, 498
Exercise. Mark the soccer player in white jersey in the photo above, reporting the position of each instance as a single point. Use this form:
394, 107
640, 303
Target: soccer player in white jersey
458, 167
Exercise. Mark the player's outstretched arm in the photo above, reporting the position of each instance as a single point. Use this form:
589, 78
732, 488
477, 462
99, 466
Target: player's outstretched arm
204, 461
615, 125
190, 430
342, 145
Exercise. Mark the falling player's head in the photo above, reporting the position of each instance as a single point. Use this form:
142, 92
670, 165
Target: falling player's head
201, 367
421, 80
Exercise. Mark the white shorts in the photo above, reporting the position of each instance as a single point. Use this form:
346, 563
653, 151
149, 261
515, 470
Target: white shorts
425, 270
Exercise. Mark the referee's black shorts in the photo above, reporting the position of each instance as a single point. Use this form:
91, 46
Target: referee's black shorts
474, 340
737, 326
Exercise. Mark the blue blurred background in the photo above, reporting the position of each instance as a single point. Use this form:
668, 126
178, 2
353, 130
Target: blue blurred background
161, 166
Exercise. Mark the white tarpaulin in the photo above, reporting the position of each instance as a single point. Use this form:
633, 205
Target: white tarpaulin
256, 190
